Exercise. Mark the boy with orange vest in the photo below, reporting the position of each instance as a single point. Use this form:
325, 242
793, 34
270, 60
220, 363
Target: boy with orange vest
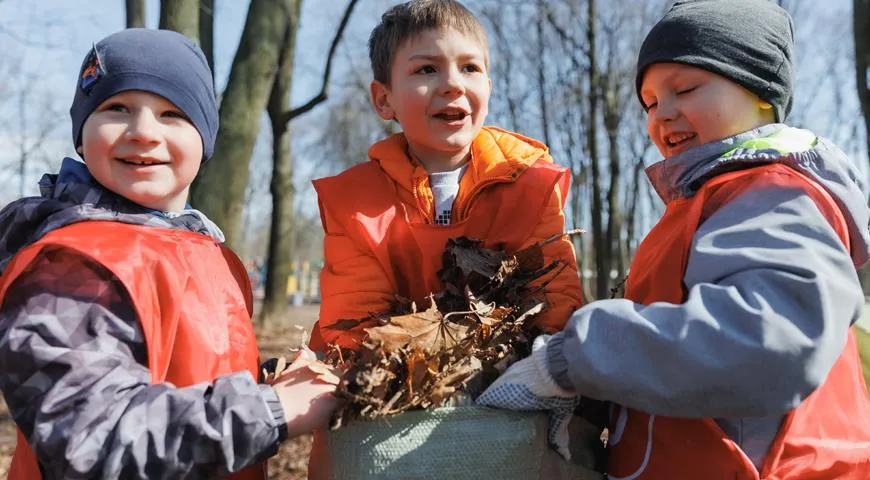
733, 354
387, 220
126, 343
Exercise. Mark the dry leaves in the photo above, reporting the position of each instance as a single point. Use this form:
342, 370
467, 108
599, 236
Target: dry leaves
305, 358
457, 345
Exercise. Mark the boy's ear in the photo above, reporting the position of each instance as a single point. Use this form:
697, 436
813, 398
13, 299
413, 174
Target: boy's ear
380, 96
767, 110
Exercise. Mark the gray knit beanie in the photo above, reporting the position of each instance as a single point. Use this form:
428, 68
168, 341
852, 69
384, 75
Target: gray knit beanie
750, 42
161, 62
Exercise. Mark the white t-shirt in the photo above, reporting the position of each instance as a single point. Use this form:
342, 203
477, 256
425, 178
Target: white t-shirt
445, 187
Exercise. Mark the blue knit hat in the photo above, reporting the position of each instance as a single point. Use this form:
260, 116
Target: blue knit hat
161, 62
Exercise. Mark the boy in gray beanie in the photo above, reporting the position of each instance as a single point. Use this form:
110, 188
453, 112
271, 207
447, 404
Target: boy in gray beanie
125, 323
732, 354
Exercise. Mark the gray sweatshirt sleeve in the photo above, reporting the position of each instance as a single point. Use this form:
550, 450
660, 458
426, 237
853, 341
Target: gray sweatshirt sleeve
772, 292
74, 375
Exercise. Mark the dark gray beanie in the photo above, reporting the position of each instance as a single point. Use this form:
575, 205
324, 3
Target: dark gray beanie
750, 42
161, 62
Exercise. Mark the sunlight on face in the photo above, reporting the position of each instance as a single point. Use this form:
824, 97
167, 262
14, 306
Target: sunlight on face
689, 106
439, 93
142, 147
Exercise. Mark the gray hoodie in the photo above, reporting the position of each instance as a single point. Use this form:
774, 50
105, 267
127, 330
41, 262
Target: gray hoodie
771, 293
74, 361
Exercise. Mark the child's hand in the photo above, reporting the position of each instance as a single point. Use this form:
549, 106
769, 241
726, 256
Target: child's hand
305, 389
527, 385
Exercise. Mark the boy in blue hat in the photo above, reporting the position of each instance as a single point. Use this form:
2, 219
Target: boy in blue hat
126, 343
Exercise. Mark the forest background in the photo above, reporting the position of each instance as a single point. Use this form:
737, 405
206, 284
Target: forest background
293, 76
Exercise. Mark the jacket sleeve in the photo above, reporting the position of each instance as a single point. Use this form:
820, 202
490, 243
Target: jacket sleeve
74, 358
772, 293
563, 293
352, 285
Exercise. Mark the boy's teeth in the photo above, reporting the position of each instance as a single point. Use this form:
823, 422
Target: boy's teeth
452, 116
675, 139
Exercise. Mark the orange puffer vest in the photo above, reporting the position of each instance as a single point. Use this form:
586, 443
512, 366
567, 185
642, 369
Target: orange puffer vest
191, 296
503, 216
827, 436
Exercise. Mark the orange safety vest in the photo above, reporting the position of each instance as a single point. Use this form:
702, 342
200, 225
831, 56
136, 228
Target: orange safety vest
826, 436
191, 296
410, 253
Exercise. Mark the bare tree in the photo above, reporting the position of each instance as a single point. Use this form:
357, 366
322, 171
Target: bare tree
135, 13
861, 31
33, 132
281, 187
181, 16
206, 31
220, 188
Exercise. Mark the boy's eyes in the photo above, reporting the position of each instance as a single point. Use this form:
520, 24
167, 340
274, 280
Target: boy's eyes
175, 114
681, 91
115, 107
121, 108
651, 104
469, 68
425, 69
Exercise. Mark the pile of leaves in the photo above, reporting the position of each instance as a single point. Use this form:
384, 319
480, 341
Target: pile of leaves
450, 350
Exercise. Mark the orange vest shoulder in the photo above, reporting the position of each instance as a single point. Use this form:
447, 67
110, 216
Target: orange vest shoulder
191, 296
825, 437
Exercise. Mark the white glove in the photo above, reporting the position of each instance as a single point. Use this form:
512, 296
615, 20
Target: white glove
527, 386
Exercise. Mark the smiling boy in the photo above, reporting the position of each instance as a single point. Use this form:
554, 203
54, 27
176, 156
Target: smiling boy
126, 343
732, 354
387, 221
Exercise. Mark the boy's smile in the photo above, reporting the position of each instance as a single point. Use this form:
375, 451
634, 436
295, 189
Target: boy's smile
439, 93
688, 106
142, 147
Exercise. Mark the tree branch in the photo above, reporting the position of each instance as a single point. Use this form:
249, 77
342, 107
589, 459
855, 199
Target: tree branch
321, 97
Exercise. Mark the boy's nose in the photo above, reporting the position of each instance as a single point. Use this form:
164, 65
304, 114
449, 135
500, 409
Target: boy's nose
143, 127
453, 82
665, 111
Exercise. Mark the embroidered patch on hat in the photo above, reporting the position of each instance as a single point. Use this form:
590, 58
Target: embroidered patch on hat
92, 71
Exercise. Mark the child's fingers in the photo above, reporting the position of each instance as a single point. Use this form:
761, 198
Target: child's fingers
301, 371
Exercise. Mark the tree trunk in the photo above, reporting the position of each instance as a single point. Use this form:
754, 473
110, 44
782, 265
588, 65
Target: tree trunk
206, 31
135, 13
861, 31
861, 17
220, 187
279, 266
542, 84
602, 263
613, 245
181, 16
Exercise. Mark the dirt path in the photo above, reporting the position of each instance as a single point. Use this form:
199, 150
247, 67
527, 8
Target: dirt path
291, 463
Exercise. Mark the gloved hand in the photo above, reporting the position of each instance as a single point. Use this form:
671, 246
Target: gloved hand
527, 386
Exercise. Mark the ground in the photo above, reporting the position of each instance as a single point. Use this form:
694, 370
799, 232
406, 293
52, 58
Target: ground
291, 463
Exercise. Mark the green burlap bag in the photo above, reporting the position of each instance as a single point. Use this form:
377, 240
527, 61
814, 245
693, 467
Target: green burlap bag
455, 443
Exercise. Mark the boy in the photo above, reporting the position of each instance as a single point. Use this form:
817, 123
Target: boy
126, 342
387, 221
732, 355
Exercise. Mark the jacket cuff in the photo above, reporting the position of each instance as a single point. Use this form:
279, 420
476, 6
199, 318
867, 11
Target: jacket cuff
557, 364
274, 404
